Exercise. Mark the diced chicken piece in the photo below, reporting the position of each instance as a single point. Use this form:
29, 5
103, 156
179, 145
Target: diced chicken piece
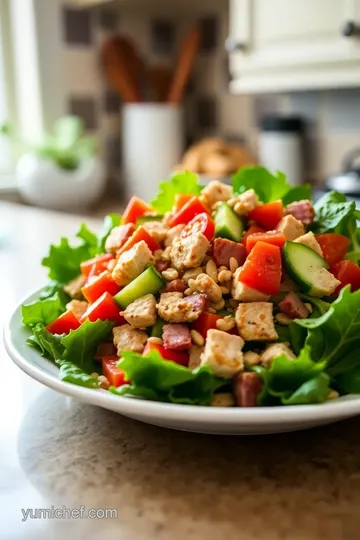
173, 307
176, 337
273, 351
309, 240
73, 288
142, 312
251, 358
326, 283
301, 210
156, 229
223, 353
118, 237
294, 307
291, 227
78, 307
255, 321
176, 285
243, 293
246, 202
195, 353
173, 233
127, 338
223, 399
189, 252
215, 191
247, 387
132, 263
224, 249
205, 284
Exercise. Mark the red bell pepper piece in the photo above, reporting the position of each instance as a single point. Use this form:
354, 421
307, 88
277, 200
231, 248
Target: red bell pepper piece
334, 247
180, 200
139, 235
191, 209
106, 309
262, 268
268, 215
96, 265
135, 209
207, 321
114, 375
276, 238
201, 223
348, 273
100, 284
252, 230
63, 324
175, 356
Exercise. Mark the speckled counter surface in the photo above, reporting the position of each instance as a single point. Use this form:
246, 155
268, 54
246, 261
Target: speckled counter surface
163, 484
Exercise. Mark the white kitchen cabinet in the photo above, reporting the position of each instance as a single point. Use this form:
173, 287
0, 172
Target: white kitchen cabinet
280, 45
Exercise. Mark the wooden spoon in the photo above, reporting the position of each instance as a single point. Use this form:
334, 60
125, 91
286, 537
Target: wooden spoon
160, 78
188, 51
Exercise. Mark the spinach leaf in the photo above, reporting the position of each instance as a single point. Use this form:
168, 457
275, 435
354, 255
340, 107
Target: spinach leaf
297, 193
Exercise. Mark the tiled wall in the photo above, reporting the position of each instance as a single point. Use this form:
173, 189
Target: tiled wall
333, 117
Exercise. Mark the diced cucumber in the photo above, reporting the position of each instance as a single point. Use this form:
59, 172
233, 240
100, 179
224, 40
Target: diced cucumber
228, 224
304, 265
144, 219
149, 282
157, 329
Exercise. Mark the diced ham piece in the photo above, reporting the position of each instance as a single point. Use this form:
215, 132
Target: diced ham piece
176, 337
301, 210
247, 386
162, 265
176, 285
198, 301
224, 249
294, 307
105, 348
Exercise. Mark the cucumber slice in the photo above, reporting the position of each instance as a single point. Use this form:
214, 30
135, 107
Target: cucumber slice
228, 224
157, 329
149, 282
305, 266
144, 219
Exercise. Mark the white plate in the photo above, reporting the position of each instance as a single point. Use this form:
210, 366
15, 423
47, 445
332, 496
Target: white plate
183, 417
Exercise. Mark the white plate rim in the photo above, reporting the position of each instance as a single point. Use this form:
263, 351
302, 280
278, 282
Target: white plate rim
254, 416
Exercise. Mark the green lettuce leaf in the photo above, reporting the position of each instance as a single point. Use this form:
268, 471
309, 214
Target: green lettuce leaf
64, 260
166, 380
110, 221
72, 373
181, 182
349, 382
90, 239
284, 380
268, 187
315, 390
334, 338
49, 344
42, 311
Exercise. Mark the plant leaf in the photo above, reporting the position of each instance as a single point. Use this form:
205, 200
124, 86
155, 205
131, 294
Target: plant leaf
181, 182
42, 311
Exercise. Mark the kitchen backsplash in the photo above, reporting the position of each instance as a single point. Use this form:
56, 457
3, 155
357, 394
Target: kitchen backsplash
333, 116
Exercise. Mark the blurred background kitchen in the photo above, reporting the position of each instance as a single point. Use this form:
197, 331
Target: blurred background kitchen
155, 86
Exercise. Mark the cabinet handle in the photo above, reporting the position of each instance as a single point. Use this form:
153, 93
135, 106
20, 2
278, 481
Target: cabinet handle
350, 28
234, 45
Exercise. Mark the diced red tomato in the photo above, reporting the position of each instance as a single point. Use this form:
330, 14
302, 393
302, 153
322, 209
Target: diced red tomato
139, 235
175, 356
114, 375
191, 209
180, 200
63, 324
106, 309
262, 268
100, 284
334, 247
201, 223
268, 215
276, 238
100, 263
135, 209
348, 273
207, 321
253, 229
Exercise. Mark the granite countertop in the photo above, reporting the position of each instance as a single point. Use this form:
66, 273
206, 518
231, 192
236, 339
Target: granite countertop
164, 484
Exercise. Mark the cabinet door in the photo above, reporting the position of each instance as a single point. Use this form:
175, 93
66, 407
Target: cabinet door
286, 43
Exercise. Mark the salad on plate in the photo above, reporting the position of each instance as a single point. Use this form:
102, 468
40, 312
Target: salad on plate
244, 295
